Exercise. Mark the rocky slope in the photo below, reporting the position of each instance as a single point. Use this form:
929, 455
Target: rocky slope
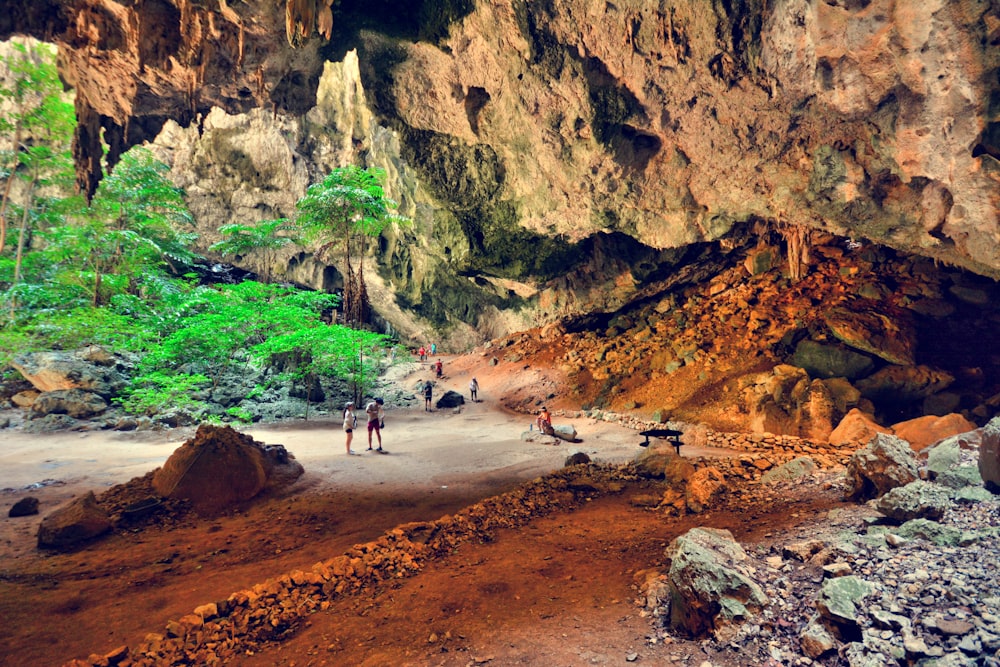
552, 154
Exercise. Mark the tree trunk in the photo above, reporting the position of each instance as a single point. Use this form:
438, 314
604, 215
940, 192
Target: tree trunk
6, 189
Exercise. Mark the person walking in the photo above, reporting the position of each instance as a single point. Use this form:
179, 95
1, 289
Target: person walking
375, 417
422, 352
350, 421
474, 389
428, 389
439, 368
434, 349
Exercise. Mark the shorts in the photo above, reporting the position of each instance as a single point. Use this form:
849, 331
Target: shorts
373, 426
348, 430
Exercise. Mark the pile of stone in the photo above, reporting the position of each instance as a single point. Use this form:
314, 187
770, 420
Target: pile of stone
909, 577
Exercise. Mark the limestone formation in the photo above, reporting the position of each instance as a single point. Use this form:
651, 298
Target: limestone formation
535, 144
89, 369
76, 403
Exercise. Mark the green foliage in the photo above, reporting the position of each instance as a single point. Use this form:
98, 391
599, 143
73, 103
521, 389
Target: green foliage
330, 352
240, 414
161, 392
265, 234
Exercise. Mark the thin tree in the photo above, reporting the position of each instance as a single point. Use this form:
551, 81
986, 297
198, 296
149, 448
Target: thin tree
343, 211
39, 123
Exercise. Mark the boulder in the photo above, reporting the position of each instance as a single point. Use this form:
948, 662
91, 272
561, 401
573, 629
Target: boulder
450, 399
797, 468
816, 640
883, 464
888, 335
708, 592
81, 520
221, 467
916, 500
76, 403
704, 486
855, 428
944, 463
838, 605
925, 431
24, 507
564, 432
829, 361
25, 399
92, 369
989, 455
903, 384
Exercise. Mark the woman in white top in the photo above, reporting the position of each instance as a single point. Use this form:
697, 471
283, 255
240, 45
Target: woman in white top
350, 419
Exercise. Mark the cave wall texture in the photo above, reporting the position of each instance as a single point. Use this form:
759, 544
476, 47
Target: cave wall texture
554, 154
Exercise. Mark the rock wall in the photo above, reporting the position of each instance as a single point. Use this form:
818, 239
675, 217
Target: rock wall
515, 133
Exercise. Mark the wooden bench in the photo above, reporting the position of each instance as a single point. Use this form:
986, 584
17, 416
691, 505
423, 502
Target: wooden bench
671, 436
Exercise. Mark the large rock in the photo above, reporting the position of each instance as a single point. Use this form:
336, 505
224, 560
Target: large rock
704, 487
708, 592
838, 603
450, 399
91, 369
925, 431
871, 328
76, 403
883, 464
221, 467
829, 361
916, 500
989, 456
81, 520
904, 384
856, 428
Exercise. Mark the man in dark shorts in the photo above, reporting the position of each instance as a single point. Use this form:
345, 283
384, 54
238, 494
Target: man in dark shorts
375, 417
428, 389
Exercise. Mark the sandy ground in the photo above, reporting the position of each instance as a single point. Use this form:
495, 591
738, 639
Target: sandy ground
572, 573
477, 446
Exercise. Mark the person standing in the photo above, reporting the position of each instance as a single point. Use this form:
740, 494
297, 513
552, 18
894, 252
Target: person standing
434, 349
350, 421
474, 389
428, 389
422, 352
375, 417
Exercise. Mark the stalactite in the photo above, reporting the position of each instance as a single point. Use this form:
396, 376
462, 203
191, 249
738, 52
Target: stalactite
798, 240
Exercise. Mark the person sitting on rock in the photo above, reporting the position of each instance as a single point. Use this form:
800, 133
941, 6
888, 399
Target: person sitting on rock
544, 420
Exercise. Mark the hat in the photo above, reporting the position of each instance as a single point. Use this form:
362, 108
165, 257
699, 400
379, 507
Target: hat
379, 401
348, 404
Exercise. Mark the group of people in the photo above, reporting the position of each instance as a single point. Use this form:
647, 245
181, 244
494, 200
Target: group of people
375, 412
376, 422
424, 351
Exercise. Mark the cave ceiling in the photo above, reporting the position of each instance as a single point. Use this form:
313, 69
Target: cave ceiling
669, 122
